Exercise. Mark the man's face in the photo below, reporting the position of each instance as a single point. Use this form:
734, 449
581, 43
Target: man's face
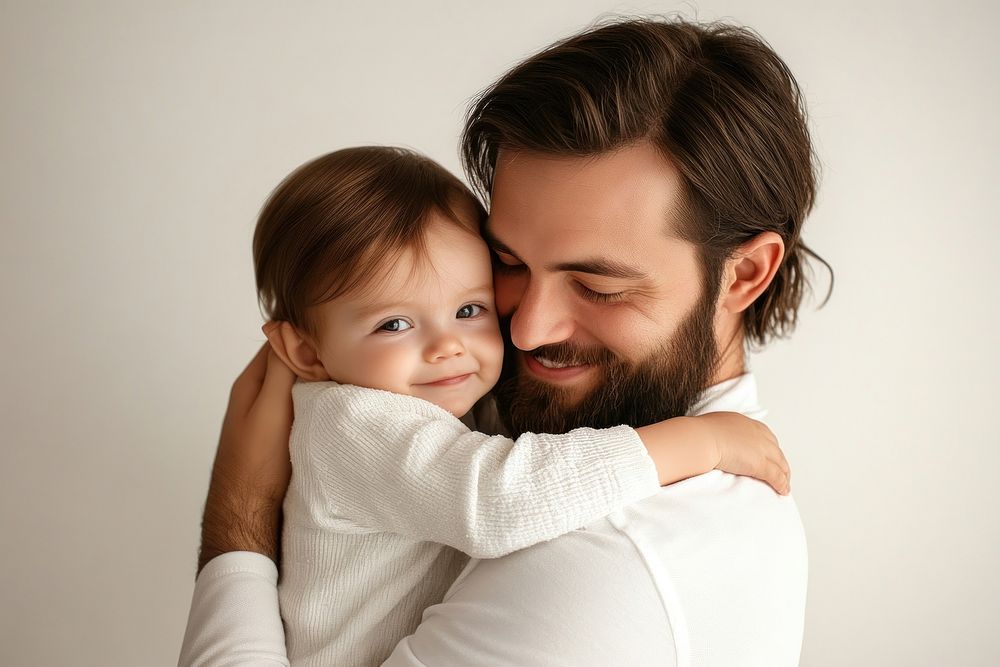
605, 303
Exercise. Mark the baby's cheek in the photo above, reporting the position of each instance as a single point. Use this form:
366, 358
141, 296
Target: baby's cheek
379, 368
491, 358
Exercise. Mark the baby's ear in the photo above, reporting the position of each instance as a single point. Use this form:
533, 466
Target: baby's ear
295, 350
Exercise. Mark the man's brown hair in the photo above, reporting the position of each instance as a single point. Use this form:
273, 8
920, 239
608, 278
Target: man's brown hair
329, 228
715, 99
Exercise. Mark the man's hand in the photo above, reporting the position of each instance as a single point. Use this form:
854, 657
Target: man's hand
252, 466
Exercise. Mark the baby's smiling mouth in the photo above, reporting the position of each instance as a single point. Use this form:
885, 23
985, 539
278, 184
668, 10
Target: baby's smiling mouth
448, 380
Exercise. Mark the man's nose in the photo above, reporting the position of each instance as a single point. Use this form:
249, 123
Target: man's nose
443, 345
541, 317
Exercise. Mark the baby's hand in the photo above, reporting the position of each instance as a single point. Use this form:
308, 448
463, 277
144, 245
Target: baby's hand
747, 447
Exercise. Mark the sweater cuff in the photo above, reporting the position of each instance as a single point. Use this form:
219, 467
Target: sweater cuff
629, 463
246, 562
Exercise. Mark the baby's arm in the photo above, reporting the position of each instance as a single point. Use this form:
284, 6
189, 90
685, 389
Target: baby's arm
689, 446
394, 463
398, 464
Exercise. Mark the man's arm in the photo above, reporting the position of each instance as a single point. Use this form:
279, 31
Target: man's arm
234, 616
252, 465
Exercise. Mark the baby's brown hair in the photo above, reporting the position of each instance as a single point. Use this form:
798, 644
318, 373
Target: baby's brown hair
332, 224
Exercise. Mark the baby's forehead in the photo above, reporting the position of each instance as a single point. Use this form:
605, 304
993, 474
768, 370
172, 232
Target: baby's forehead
415, 278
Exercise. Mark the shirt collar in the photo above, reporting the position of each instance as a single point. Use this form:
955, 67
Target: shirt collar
738, 394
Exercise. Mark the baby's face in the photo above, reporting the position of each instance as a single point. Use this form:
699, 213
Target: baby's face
428, 330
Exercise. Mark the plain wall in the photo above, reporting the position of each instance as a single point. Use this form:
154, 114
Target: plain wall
140, 139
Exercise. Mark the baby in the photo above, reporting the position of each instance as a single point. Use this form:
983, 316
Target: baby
371, 262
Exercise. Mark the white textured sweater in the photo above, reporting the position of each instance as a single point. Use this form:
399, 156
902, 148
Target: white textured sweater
388, 491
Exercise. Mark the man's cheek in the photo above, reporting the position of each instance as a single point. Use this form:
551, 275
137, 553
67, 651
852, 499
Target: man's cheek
507, 292
628, 347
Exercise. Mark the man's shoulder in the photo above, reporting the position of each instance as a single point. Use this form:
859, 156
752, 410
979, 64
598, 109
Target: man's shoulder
717, 515
719, 527
728, 557
742, 508
682, 570
584, 598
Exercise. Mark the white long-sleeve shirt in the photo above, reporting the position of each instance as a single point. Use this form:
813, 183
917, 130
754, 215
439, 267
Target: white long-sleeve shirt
388, 490
708, 571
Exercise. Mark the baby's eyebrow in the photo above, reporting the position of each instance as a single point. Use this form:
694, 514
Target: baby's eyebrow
485, 287
377, 307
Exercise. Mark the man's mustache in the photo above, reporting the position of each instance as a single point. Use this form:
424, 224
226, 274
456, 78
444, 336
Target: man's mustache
573, 355
563, 352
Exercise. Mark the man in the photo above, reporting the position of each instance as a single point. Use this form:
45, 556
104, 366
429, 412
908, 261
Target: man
648, 182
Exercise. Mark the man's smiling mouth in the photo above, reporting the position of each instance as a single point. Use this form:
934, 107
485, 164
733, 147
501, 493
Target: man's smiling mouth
554, 371
553, 364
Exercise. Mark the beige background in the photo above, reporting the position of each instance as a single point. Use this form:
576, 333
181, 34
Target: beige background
138, 143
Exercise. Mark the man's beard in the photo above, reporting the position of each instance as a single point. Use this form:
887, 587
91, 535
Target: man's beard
665, 384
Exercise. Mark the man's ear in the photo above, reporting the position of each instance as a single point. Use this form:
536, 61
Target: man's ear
295, 350
750, 270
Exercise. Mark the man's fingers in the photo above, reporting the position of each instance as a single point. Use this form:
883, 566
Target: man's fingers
272, 410
278, 381
248, 384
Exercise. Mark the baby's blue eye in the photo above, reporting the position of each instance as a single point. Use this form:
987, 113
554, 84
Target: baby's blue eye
469, 310
395, 325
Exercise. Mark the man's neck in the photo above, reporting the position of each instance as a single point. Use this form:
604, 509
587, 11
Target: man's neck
732, 361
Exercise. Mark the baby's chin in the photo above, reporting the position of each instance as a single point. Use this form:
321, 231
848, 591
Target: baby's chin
458, 400
459, 408
457, 405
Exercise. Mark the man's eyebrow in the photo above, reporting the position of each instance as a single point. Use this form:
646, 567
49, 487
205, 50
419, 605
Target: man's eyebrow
597, 266
601, 267
495, 243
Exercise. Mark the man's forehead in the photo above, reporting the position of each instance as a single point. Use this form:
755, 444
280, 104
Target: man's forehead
607, 232
633, 190
642, 158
